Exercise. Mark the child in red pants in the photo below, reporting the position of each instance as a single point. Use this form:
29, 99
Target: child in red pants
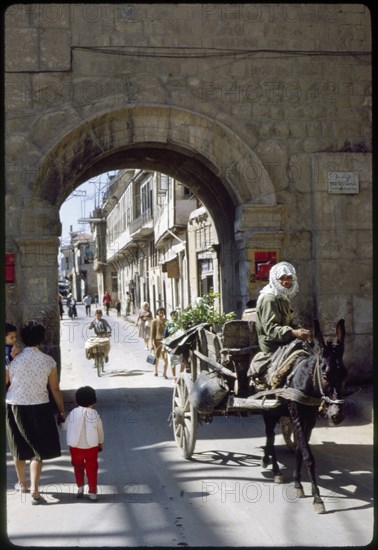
85, 437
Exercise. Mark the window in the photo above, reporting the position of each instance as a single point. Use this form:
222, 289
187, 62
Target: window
114, 277
153, 255
206, 267
146, 196
163, 183
128, 205
186, 193
88, 254
203, 237
137, 206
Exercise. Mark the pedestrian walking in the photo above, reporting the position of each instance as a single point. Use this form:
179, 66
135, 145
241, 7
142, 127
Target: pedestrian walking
71, 303
30, 422
106, 301
128, 303
173, 360
144, 321
87, 301
118, 308
157, 335
85, 438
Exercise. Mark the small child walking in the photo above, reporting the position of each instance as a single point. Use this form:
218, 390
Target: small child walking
85, 438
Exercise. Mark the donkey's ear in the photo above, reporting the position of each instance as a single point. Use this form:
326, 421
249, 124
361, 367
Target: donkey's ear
318, 334
340, 331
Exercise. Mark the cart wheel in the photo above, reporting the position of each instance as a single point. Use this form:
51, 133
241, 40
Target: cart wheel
185, 417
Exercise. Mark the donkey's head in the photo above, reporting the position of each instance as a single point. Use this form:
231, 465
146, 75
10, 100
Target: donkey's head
332, 373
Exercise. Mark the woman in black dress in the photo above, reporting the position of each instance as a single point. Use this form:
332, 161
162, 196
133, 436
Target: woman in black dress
31, 426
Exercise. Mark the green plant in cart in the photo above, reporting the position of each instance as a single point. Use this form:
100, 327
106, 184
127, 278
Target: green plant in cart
205, 310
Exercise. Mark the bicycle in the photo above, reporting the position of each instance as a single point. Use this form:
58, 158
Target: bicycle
98, 348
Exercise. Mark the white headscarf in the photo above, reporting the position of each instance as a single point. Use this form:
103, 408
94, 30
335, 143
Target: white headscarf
275, 287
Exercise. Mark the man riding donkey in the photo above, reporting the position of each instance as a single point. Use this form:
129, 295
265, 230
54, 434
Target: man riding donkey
280, 340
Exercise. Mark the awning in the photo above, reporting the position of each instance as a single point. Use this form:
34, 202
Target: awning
171, 268
178, 247
170, 257
170, 262
173, 253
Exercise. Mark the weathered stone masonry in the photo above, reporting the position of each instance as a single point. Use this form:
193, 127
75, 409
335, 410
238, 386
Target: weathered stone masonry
258, 108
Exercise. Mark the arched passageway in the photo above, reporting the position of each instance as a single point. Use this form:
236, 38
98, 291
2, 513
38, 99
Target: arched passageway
201, 153
279, 129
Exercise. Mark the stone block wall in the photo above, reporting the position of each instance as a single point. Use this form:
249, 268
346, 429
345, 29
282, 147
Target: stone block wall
265, 99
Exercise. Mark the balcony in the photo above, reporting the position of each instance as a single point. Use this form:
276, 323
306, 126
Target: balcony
143, 225
98, 265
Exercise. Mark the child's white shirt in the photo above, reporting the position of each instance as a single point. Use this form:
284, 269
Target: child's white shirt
84, 428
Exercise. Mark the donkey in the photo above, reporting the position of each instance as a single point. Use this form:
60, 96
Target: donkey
316, 380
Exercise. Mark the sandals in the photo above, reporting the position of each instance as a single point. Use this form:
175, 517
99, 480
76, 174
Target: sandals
22, 487
38, 500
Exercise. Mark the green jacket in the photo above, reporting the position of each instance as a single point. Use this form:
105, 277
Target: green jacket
273, 322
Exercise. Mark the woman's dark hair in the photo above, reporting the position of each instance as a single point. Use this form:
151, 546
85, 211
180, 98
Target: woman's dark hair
33, 333
160, 309
86, 396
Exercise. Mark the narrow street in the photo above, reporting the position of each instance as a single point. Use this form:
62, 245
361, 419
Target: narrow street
150, 496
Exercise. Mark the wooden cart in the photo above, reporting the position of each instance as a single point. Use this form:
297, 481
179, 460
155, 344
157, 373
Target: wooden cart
215, 381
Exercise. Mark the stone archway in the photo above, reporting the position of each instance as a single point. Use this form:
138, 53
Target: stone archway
199, 151
76, 156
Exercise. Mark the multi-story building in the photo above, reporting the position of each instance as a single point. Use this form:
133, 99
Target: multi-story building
154, 242
76, 265
203, 247
265, 115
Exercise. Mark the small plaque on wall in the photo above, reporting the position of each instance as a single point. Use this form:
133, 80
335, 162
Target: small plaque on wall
343, 183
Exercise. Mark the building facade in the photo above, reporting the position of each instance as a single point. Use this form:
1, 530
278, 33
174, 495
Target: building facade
76, 265
152, 243
263, 111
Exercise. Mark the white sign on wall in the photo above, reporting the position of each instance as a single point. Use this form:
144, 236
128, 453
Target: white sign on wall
342, 183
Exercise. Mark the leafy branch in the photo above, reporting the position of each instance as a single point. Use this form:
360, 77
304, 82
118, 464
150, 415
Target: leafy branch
205, 310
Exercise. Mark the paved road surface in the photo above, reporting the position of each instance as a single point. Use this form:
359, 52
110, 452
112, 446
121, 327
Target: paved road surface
150, 496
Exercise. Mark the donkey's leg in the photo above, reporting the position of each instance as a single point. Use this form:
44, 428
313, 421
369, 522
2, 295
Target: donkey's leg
309, 423
269, 449
298, 429
297, 474
303, 421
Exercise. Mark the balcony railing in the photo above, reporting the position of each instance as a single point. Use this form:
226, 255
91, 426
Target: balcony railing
143, 221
